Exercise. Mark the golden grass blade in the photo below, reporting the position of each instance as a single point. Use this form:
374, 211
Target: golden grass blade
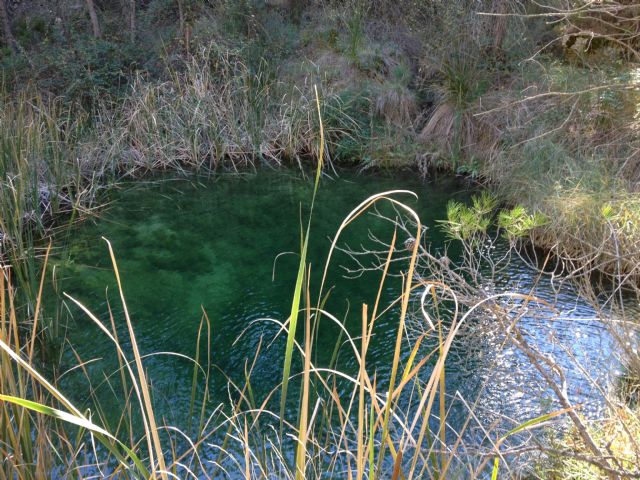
360, 460
355, 213
385, 272
372, 432
247, 454
295, 304
397, 467
127, 365
443, 414
205, 394
301, 453
398, 347
426, 402
194, 377
36, 313
121, 368
144, 387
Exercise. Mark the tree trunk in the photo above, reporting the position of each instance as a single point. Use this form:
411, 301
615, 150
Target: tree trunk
499, 29
183, 31
181, 14
6, 28
132, 19
94, 19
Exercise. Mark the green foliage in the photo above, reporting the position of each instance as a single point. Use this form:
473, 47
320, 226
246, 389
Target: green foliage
401, 74
101, 67
624, 216
452, 127
164, 12
348, 116
5, 52
331, 38
467, 223
31, 30
85, 74
463, 79
471, 170
518, 223
484, 204
236, 16
354, 24
608, 212
368, 61
389, 148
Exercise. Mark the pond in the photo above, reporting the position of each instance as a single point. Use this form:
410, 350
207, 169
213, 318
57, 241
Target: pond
228, 246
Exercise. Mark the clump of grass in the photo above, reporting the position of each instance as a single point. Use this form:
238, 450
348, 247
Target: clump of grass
42, 180
372, 421
218, 113
24, 456
374, 428
591, 225
396, 105
452, 125
38, 143
395, 102
565, 153
620, 432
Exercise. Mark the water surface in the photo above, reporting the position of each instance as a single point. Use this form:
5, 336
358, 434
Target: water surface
228, 247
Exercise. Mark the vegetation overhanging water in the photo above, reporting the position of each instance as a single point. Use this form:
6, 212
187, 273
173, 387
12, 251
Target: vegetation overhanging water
227, 246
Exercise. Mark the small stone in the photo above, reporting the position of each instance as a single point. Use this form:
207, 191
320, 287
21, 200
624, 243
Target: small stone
410, 243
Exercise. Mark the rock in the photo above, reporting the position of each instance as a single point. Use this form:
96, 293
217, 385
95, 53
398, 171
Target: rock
410, 243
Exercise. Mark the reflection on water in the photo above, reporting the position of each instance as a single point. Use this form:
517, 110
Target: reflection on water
503, 378
185, 247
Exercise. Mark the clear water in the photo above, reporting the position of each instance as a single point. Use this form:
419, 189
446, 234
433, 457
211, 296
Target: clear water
187, 245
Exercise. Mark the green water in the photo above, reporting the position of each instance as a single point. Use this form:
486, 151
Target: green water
187, 245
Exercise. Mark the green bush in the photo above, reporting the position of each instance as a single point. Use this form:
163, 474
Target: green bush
88, 73
348, 116
31, 30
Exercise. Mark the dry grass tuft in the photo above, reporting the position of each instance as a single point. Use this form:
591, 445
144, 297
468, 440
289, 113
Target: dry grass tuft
397, 106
